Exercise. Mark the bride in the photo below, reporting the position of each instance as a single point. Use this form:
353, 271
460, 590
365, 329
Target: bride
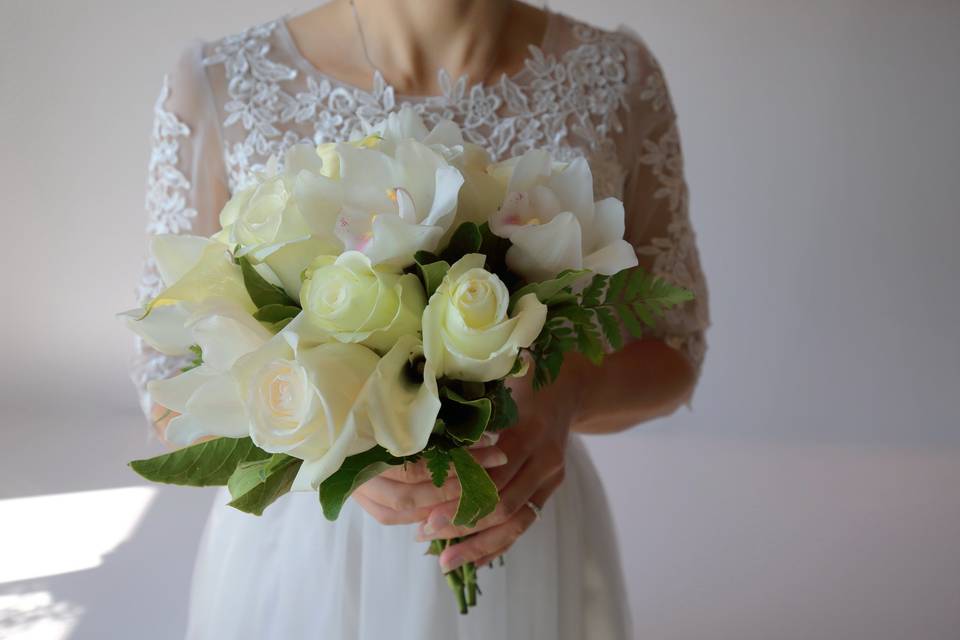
512, 77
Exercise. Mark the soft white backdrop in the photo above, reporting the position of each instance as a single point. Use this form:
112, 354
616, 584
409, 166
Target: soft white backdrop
812, 492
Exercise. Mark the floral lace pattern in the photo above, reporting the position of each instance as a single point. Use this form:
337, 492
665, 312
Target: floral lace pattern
567, 105
166, 204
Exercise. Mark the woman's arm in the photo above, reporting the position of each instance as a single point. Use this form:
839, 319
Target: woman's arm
186, 188
645, 380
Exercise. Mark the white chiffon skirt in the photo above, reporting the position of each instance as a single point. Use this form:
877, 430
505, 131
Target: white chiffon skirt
292, 575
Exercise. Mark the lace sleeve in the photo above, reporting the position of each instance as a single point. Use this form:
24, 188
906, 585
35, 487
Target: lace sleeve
186, 187
656, 201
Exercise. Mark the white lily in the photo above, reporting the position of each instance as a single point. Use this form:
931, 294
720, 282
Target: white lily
194, 271
207, 397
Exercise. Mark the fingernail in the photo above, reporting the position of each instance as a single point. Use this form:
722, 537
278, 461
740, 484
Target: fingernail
434, 524
498, 459
451, 563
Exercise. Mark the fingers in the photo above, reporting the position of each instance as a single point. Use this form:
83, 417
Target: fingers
387, 516
413, 473
495, 541
414, 496
535, 475
401, 496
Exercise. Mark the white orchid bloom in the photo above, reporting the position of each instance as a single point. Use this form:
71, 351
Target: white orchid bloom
395, 204
550, 217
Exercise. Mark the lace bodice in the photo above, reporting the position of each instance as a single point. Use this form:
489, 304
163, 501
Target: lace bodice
231, 104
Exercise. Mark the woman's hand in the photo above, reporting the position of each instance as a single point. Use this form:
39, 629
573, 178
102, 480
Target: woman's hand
406, 494
536, 450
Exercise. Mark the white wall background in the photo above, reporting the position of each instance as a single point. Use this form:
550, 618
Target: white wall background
812, 493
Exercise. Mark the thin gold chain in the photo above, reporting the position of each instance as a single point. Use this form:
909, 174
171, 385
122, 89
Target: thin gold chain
366, 53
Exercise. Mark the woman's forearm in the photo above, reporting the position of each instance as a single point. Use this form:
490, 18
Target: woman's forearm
645, 380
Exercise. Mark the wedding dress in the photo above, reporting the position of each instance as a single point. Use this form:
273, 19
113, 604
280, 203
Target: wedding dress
291, 574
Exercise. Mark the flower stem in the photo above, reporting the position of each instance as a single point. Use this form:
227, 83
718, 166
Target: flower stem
470, 578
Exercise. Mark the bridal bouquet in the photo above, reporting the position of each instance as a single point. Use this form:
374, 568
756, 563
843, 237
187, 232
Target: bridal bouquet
363, 305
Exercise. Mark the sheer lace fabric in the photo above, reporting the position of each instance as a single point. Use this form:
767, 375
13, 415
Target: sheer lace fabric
231, 104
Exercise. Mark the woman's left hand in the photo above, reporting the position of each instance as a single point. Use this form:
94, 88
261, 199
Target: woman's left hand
536, 449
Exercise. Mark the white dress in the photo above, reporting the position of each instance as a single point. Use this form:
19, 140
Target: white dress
292, 575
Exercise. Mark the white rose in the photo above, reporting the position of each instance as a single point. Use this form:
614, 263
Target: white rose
348, 299
194, 271
467, 333
553, 223
325, 403
301, 402
207, 396
285, 218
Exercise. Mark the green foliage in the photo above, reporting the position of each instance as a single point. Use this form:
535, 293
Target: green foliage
354, 471
274, 313
464, 420
255, 485
438, 463
197, 358
495, 249
430, 269
478, 493
551, 292
582, 321
505, 413
209, 463
466, 239
262, 293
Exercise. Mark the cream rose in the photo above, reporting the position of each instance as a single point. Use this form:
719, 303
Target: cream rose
325, 403
467, 333
287, 217
348, 299
301, 402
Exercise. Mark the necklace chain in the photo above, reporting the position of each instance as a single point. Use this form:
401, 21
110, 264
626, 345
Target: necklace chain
366, 52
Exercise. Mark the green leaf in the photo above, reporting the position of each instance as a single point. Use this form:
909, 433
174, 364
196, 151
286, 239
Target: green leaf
465, 420
466, 239
197, 358
354, 471
588, 342
431, 270
617, 282
592, 294
206, 464
478, 493
438, 463
495, 249
256, 485
548, 290
273, 313
629, 319
505, 413
607, 320
262, 292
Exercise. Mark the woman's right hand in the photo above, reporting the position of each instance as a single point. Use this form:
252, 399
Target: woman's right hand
406, 494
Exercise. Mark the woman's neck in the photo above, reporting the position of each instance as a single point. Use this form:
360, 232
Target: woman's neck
410, 40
